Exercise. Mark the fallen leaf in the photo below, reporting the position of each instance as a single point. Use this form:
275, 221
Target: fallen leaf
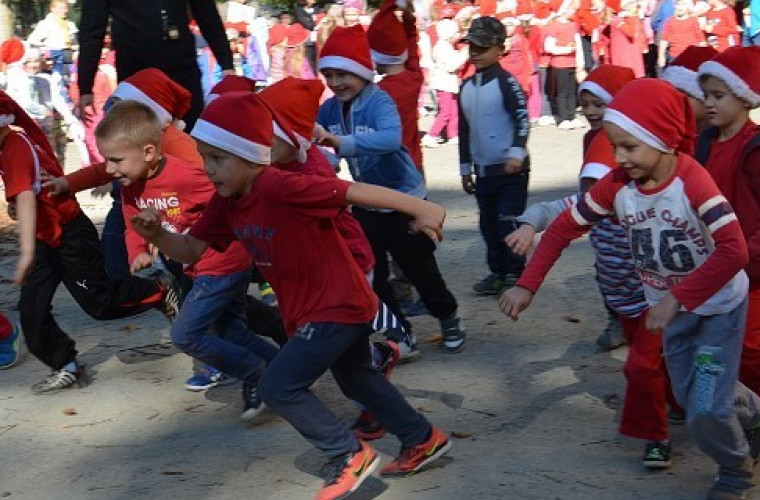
172, 472
129, 327
69, 411
571, 319
461, 434
423, 409
436, 337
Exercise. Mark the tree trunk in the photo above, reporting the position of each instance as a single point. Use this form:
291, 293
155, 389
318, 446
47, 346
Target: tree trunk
6, 21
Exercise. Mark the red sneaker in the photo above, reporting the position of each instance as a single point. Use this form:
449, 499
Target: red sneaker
343, 475
367, 428
390, 353
412, 460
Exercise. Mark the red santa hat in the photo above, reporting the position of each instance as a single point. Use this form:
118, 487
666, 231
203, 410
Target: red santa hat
387, 36
665, 123
239, 123
11, 51
682, 72
231, 83
347, 49
152, 87
296, 104
606, 80
12, 113
739, 69
448, 11
296, 34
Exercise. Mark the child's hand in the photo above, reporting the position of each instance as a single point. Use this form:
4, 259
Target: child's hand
55, 185
102, 191
521, 239
429, 219
147, 223
468, 184
329, 140
514, 301
142, 261
662, 313
513, 166
23, 266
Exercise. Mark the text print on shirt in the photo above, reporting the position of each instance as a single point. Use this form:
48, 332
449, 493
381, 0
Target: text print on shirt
257, 240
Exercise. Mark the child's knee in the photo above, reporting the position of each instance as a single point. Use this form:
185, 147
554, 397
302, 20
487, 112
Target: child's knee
273, 392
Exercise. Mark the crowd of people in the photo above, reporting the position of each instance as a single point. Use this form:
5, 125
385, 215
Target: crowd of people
243, 189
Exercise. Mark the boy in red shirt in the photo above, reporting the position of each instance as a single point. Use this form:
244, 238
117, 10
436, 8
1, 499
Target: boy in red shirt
731, 86
60, 244
129, 138
721, 26
679, 31
285, 221
563, 44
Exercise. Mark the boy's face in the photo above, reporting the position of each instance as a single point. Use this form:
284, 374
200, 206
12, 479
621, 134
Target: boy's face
230, 174
639, 160
59, 9
698, 107
593, 109
483, 57
722, 107
681, 9
126, 162
345, 85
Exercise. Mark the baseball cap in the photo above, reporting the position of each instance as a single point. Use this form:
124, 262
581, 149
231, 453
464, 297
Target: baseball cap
486, 32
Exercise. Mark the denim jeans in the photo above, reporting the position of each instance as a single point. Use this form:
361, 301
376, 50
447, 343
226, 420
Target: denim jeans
344, 349
501, 198
112, 238
212, 327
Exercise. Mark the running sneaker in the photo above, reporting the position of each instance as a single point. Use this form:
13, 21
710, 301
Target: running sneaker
343, 475
429, 141
454, 337
9, 348
612, 336
172, 300
734, 485
59, 380
205, 378
676, 416
753, 439
657, 455
389, 356
407, 344
367, 428
490, 285
252, 403
267, 294
413, 308
413, 459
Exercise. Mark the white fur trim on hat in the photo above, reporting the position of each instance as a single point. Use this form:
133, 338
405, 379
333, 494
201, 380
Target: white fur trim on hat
127, 91
685, 80
595, 89
380, 58
232, 143
302, 147
346, 64
6, 120
594, 170
636, 130
738, 86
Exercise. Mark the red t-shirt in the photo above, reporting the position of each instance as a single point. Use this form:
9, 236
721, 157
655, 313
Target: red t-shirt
21, 161
348, 227
286, 223
725, 32
180, 192
564, 33
681, 33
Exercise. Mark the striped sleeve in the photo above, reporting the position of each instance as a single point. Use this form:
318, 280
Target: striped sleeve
716, 213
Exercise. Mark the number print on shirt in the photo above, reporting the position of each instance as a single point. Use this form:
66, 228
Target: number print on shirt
674, 256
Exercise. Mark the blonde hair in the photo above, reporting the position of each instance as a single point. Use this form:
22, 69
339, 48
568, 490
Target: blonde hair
132, 122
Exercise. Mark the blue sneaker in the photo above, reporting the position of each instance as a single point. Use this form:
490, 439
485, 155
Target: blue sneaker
267, 294
205, 378
9, 348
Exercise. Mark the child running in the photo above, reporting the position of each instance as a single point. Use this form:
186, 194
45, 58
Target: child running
285, 221
689, 252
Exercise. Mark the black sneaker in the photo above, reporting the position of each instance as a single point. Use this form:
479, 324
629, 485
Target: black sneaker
172, 299
657, 455
454, 337
676, 417
252, 403
59, 380
490, 285
612, 336
732, 485
753, 439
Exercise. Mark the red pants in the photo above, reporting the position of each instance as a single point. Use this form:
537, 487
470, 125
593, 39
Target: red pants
648, 390
749, 371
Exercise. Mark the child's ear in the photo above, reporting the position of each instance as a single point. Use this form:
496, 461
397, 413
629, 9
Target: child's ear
151, 153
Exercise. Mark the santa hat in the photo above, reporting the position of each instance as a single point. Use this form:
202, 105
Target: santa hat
739, 69
161, 94
347, 49
682, 72
296, 104
605, 81
296, 34
12, 113
11, 51
387, 36
666, 121
448, 11
446, 29
231, 83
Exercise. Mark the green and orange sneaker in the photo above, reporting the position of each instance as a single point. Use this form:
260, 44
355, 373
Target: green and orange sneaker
343, 475
413, 459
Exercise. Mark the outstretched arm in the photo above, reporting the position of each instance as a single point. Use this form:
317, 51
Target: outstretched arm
180, 247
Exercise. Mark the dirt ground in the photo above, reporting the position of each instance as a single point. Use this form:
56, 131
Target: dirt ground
533, 406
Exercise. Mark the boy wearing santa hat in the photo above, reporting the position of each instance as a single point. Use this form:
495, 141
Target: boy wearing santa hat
362, 123
689, 252
731, 86
285, 222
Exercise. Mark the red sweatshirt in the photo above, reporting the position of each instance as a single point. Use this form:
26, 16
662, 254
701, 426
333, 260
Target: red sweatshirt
180, 192
681, 33
725, 31
684, 237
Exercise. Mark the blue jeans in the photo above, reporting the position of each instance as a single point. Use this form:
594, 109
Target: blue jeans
212, 327
501, 198
344, 349
112, 238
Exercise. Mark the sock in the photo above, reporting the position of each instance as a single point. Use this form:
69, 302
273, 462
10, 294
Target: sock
72, 367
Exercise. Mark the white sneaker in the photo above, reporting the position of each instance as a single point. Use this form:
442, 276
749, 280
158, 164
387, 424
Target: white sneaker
546, 120
429, 141
565, 125
454, 141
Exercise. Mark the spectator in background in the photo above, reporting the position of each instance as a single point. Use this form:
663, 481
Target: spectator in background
151, 34
305, 15
628, 42
56, 34
679, 32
